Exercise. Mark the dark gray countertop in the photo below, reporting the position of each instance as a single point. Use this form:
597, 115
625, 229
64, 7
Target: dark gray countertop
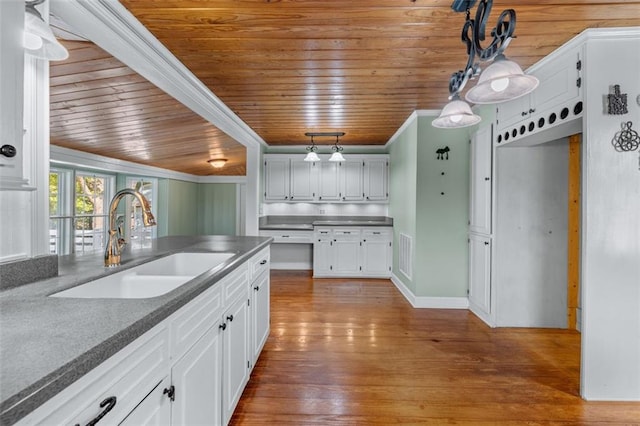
308, 222
47, 343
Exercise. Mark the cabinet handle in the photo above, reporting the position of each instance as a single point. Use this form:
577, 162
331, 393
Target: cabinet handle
486, 178
486, 243
367, 198
230, 317
532, 110
376, 233
108, 405
524, 113
256, 288
223, 326
344, 198
170, 392
285, 236
364, 241
264, 262
286, 198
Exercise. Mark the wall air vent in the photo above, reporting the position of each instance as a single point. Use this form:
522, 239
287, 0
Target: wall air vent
405, 255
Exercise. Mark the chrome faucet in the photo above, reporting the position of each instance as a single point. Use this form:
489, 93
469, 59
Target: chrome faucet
115, 241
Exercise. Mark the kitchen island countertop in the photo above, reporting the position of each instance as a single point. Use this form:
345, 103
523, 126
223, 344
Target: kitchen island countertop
47, 343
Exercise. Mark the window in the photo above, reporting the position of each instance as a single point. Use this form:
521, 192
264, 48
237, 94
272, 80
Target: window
79, 210
136, 233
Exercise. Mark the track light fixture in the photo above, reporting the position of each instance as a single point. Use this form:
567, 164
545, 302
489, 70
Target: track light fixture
337, 149
502, 81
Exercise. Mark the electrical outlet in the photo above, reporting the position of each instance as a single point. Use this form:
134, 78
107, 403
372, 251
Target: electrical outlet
322, 211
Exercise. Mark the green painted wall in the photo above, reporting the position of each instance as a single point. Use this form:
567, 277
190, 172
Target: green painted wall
441, 249
402, 191
217, 209
178, 207
437, 223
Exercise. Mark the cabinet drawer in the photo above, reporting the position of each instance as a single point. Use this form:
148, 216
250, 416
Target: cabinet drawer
193, 320
346, 233
128, 376
235, 285
377, 234
291, 237
259, 263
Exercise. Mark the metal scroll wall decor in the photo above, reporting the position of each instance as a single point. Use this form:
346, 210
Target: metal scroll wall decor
442, 153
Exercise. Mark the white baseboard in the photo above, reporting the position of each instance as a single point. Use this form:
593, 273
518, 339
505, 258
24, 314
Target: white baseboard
429, 302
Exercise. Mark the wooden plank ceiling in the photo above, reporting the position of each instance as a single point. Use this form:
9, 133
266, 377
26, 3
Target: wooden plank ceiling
293, 66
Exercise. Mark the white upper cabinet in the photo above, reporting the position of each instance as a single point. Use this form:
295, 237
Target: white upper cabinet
556, 101
361, 178
276, 185
302, 185
329, 181
351, 177
376, 179
481, 181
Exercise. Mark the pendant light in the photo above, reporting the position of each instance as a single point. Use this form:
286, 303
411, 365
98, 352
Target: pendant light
312, 156
38, 38
502, 81
457, 113
337, 152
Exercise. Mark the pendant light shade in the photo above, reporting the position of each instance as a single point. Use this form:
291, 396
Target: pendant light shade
312, 156
336, 156
455, 114
39, 39
502, 81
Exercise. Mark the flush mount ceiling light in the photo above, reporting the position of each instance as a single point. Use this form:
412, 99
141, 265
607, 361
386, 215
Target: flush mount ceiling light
312, 156
502, 81
39, 40
217, 163
337, 150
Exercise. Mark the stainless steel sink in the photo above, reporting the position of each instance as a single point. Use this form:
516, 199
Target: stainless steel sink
150, 279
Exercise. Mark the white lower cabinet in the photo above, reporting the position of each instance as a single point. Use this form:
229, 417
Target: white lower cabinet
480, 276
195, 382
154, 410
260, 314
190, 369
235, 358
352, 252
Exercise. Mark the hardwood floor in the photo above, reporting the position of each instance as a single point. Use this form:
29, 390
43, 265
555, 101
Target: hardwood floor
354, 351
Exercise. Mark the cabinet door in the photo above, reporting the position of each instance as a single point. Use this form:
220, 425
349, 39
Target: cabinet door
351, 180
235, 359
346, 246
509, 113
154, 410
480, 203
323, 256
558, 83
377, 252
276, 179
328, 181
376, 179
302, 185
196, 378
480, 276
260, 314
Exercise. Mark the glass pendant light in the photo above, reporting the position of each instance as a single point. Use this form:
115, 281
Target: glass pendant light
312, 156
38, 38
456, 114
337, 152
502, 81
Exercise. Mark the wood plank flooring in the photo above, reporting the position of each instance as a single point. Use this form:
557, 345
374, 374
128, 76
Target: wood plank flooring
354, 352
